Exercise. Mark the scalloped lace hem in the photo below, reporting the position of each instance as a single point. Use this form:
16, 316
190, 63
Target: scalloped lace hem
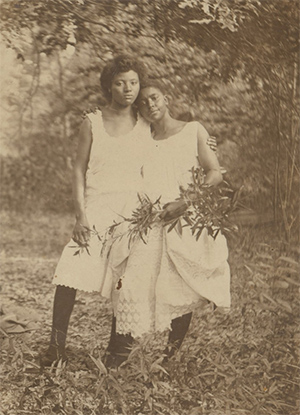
87, 290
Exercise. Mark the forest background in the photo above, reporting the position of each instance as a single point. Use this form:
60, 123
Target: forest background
234, 66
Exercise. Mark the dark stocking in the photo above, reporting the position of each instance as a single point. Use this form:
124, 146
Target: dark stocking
118, 347
64, 300
179, 328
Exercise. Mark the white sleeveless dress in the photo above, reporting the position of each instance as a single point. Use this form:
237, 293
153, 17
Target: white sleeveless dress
113, 180
171, 274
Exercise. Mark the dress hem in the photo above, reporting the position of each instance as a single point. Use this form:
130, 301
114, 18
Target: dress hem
82, 289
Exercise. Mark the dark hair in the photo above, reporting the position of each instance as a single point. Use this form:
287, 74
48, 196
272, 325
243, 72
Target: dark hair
154, 83
121, 63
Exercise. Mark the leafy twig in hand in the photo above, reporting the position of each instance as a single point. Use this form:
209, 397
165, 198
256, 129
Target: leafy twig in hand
85, 246
207, 206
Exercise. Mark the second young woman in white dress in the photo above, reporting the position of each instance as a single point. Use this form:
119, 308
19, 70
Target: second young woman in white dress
165, 279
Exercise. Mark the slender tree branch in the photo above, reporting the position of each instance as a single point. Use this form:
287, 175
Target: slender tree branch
86, 19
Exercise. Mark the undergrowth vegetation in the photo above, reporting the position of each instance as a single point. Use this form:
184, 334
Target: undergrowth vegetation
245, 362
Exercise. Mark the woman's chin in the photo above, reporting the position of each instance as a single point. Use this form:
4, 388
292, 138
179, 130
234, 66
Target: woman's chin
156, 116
129, 101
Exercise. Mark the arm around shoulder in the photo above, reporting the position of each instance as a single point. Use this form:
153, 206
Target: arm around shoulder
207, 158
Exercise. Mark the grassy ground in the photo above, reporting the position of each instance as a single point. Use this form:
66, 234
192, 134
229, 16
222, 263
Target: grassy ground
242, 363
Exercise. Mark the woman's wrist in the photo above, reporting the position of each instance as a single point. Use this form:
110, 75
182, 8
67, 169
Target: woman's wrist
80, 216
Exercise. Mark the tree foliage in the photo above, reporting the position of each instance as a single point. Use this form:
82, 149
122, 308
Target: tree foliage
231, 64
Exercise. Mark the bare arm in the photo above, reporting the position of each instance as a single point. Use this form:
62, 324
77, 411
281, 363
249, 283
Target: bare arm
208, 159
80, 233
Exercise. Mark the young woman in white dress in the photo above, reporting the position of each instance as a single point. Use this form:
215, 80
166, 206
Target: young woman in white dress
166, 278
106, 180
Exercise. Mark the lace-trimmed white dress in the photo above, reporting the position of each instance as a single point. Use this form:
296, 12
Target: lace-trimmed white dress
113, 179
171, 274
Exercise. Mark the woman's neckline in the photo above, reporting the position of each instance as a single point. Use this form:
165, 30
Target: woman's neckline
170, 136
121, 135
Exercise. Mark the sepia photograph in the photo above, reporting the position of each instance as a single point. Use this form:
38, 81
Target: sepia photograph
150, 202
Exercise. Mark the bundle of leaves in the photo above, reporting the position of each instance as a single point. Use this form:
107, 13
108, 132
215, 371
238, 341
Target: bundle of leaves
141, 221
205, 207
208, 207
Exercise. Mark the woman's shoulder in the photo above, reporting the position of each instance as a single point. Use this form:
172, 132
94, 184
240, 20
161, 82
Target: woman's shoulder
191, 133
199, 128
189, 128
89, 113
195, 123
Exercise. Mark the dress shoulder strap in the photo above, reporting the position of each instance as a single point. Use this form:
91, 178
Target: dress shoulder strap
96, 120
187, 139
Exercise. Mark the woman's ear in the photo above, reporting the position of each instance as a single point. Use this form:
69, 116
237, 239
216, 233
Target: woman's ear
166, 99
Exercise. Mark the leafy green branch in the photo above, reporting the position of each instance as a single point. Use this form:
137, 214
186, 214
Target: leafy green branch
206, 207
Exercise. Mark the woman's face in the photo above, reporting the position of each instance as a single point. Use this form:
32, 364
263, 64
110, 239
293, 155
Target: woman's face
125, 88
152, 104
